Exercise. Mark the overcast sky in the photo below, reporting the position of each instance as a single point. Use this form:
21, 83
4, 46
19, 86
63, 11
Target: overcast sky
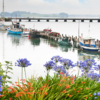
53, 6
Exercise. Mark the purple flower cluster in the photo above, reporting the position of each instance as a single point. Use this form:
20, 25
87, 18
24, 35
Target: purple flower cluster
66, 63
59, 69
0, 83
22, 63
49, 65
96, 95
97, 67
93, 75
86, 65
56, 58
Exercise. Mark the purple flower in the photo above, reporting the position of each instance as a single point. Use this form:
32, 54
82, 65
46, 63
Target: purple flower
87, 65
79, 64
22, 63
66, 63
98, 93
59, 69
95, 94
56, 58
0, 83
0, 88
94, 76
49, 65
97, 67
95, 98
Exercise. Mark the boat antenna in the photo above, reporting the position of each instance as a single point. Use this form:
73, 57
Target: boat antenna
89, 29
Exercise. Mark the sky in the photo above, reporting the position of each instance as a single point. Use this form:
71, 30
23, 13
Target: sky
53, 6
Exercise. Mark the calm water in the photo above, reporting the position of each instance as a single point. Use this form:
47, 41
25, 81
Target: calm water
39, 51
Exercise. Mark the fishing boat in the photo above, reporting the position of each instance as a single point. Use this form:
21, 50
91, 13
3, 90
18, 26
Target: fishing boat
47, 30
65, 42
88, 44
15, 29
25, 32
34, 34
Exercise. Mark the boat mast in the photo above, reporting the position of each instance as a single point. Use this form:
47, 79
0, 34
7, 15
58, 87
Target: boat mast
3, 10
78, 28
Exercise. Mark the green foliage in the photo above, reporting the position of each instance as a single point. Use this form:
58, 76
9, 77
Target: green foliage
58, 87
4, 73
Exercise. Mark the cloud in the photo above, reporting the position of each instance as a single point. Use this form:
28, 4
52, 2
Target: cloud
46, 7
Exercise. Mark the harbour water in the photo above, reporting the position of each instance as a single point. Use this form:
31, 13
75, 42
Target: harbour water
39, 51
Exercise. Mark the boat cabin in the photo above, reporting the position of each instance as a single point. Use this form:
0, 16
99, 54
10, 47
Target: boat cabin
88, 41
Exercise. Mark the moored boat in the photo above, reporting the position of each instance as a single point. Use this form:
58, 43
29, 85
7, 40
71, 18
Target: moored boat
34, 34
88, 44
47, 30
16, 28
65, 42
25, 32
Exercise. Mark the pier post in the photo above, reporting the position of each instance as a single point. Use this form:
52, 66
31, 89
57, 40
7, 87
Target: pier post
82, 20
47, 20
98, 20
56, 20
19, 20
73, 20
38, 20
65, 20
29, 20
90, 20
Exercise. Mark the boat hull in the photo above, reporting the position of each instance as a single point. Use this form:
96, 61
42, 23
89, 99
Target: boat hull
26, 34
15, 32
89, 48
34, 35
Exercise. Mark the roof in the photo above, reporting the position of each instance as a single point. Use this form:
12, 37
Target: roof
88, 38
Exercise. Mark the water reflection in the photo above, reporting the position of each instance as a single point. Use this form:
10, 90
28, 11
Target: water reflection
50, 42
35, 42
15, 38
87, 55
65, 48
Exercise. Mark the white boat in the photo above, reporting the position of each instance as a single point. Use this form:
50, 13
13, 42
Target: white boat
25, 33
88, 44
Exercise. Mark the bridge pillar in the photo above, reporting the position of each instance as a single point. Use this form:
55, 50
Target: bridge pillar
29, 20
38, 20
19, 20
56, 20
98, 20
82, 20
65, 20
90, 20
73, 20
47, 20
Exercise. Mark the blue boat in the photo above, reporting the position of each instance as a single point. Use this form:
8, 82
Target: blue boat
88, 44
14, 32
15, 29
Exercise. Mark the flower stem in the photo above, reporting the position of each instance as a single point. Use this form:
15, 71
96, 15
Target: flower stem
22, 75
25, 72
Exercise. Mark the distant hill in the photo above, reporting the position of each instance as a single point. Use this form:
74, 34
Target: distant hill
60, 15
28, 14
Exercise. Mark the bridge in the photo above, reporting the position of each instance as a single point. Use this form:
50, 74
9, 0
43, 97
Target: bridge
57, 19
